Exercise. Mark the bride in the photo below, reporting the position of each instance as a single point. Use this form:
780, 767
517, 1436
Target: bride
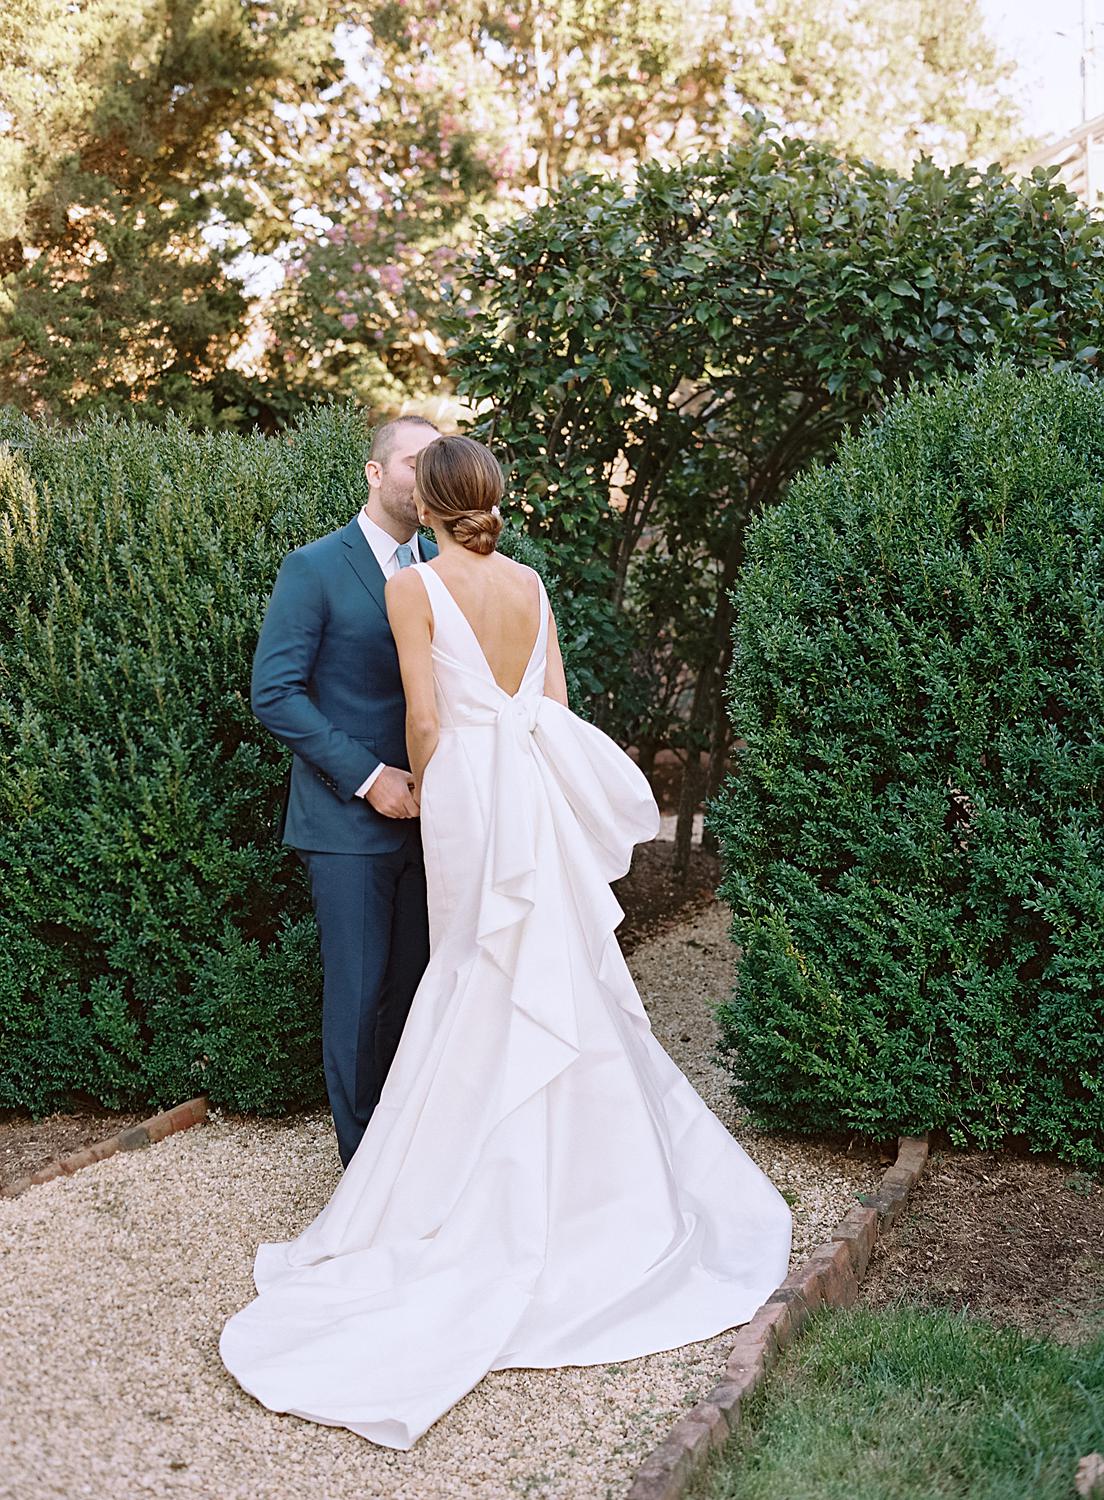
539, 1184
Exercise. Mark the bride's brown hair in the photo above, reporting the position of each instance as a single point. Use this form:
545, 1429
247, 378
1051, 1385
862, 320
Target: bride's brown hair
459, 480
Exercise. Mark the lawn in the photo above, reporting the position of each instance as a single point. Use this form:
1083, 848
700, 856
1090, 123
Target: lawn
916, 1403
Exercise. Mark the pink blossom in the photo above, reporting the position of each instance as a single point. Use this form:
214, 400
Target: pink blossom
348, 320
509, 162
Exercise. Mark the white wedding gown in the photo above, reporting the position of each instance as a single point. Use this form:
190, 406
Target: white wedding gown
539, 1184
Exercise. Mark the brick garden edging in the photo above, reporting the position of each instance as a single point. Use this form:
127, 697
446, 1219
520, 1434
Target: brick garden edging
156, 1128
829, 1278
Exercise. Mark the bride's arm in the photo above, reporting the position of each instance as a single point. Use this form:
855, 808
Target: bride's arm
555, 679
412, 626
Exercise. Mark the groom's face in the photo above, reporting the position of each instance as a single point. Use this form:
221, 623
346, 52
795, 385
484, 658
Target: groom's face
393, 480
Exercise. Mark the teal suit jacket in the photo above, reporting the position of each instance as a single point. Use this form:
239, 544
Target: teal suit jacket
326, 682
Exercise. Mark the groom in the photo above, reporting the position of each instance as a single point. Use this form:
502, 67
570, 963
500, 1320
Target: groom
326, 683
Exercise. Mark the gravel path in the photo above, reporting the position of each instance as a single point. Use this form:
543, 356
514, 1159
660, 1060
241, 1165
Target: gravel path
115, 1284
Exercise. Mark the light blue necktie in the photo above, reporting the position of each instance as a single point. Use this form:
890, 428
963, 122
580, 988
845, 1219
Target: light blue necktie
405, 554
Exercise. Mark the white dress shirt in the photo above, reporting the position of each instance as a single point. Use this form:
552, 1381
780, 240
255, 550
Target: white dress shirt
384, 546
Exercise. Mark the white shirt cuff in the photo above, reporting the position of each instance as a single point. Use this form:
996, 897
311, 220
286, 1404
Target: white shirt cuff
360, 791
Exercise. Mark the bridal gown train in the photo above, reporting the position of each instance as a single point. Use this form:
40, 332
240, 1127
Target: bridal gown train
539, 1184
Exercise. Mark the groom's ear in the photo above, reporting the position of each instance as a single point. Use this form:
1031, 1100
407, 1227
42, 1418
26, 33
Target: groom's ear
373, 473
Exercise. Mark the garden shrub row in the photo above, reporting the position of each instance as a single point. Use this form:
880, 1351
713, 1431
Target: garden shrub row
156, 940
914, 835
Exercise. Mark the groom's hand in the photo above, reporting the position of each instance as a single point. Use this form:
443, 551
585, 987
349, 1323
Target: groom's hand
391, 795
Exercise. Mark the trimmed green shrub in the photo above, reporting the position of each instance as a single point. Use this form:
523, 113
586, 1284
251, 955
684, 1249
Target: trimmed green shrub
914, 838
156, 941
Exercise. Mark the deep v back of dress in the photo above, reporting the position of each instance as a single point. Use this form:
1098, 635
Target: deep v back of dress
456, 645
454, 634
539, 1185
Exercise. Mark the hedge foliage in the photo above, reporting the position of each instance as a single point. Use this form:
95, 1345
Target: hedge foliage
914, 839
155, 939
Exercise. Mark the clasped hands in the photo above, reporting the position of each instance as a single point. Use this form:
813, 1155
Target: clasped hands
392, 794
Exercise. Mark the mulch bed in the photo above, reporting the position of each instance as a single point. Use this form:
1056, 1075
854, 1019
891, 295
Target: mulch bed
1016, 1239
651, 900
27, 1144
652, 903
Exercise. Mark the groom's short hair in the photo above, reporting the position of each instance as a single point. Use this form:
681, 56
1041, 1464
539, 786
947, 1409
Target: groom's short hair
384, 436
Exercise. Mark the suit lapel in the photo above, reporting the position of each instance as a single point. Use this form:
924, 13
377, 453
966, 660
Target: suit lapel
364, 564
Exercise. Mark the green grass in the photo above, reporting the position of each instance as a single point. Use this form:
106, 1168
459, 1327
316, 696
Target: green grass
915, 1404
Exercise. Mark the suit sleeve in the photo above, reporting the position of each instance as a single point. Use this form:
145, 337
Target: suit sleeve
282, 668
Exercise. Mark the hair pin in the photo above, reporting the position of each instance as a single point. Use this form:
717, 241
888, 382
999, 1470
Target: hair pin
495, 510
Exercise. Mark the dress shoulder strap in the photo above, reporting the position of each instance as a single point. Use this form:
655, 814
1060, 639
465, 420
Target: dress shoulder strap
546, 606
430, 582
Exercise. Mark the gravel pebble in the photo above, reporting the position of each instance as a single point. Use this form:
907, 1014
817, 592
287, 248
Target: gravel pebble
115, 1284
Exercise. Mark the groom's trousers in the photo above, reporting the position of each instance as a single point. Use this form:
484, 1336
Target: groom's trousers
374, 930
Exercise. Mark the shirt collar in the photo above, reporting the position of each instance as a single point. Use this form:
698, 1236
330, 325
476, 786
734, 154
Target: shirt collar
382, 543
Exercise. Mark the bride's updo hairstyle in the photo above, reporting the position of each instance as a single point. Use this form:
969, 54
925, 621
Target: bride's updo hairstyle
460, 483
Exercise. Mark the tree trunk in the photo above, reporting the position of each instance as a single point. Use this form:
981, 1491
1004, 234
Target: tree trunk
720, 738
710, 713
693, 781
645, 759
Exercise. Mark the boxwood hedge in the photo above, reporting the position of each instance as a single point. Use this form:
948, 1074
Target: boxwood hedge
155, 939
914, 836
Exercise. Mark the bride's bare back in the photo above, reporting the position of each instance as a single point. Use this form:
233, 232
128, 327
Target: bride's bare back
500, 599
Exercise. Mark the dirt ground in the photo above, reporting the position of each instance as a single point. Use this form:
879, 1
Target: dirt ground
1016, 1239
651, 902
649, 897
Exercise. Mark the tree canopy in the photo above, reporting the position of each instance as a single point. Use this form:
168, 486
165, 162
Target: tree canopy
121, 202
148, 149
462, 112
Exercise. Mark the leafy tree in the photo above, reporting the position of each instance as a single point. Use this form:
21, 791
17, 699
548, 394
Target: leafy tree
405, 170
883, 79
147, 145
119, 215
697, 340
